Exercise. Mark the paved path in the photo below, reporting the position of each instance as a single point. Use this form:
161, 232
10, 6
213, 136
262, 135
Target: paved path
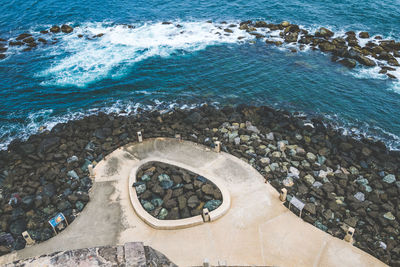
257, 230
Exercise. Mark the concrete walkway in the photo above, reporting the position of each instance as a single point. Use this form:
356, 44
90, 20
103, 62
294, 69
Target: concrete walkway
257, 229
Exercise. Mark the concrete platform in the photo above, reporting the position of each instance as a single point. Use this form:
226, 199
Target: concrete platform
256, 230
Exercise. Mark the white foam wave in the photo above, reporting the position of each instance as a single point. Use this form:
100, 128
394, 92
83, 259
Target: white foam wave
358, 128
90, 59
46, 119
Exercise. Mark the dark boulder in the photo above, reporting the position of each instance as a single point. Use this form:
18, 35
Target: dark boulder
29, 40
350, 63
102, 133
323, 32
17, 227
49, 144
23, 36
364, 35
66, 29
365, 61
15, 43
291, 37
55, 29
193, 118
327, 47
260, 24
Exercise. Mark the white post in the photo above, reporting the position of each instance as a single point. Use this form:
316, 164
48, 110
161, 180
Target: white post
206, 215
217, 146
283, 194
91, 171
140, 137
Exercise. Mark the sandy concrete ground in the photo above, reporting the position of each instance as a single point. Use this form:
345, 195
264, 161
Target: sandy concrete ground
257, 229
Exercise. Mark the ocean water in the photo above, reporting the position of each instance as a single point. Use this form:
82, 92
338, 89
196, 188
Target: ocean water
150, 65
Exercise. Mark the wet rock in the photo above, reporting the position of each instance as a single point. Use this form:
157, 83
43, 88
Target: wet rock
291, 37
55, 29
23, 36
365, 61
350, 63
364, 35
327, 47
323, 32
285, 23
260, 24
66, 29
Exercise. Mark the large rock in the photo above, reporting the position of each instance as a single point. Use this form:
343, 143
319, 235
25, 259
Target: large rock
66, 29
364, 35
103, 133
23, 36
323, 32
55, 29
291, 37
327, 47
48, 144
260, 24
17, 227
365, 61
350, 63
193, 118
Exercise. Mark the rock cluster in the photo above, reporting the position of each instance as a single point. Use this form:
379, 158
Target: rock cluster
171, 193
346, 49
343, 180
28, 41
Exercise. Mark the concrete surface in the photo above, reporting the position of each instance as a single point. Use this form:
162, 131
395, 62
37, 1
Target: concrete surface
257, 229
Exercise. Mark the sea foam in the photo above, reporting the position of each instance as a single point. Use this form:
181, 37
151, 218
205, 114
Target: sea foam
89, 59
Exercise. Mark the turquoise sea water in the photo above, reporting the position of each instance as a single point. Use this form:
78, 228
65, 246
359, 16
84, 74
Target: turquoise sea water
162, 66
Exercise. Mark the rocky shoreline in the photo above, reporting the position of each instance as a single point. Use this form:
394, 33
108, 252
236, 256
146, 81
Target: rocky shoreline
342, 180
349, 49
